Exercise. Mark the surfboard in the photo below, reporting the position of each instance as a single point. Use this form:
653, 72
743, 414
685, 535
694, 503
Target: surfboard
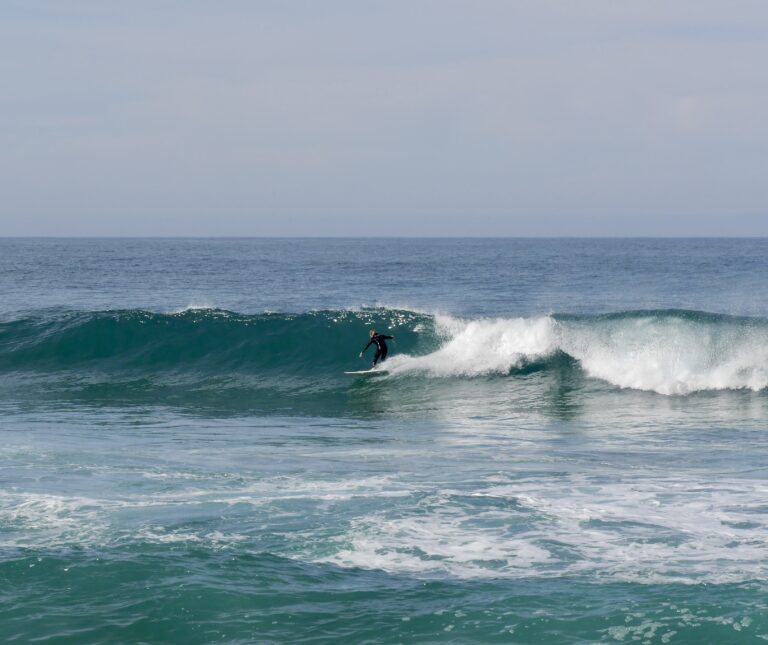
367, 372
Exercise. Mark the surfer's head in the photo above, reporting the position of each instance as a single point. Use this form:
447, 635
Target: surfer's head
372, 333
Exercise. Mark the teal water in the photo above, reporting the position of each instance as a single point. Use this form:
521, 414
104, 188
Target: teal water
569, 446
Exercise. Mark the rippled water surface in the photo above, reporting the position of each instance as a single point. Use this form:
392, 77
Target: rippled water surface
569, 444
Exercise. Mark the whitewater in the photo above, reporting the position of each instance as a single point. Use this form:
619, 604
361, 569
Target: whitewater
669, 352
568, 446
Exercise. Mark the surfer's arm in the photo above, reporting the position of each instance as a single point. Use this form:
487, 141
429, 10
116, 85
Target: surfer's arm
366, 347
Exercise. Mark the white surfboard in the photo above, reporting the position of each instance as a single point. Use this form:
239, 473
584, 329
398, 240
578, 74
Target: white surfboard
367, 372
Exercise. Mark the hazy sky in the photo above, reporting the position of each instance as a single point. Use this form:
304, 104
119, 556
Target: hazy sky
418, 117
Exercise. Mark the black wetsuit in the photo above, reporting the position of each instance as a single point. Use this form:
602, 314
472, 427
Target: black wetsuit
381, 347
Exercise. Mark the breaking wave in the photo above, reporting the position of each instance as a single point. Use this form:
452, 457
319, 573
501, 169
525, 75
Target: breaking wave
671, 352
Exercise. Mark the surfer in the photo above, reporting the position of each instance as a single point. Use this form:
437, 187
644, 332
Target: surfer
381, 346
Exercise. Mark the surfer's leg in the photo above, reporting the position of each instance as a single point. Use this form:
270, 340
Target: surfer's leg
383, 355
376, 357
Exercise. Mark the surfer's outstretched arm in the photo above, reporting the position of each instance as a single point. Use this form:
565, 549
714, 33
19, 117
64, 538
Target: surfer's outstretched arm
366, 347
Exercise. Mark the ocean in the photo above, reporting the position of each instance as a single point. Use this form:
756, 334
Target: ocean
569, 445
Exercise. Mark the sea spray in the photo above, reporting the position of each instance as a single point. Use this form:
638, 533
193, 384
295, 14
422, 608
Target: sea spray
483, 347
670, 352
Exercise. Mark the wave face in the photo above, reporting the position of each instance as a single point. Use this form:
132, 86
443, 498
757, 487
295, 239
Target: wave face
202, 341
668, 352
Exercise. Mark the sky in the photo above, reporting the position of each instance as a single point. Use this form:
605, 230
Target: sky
371, 118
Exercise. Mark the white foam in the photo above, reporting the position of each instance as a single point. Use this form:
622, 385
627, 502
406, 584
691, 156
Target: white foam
684, 529
644, 531
435, 543
36, 519
663, 353
670, 355
477, 347
195, 305
30, 519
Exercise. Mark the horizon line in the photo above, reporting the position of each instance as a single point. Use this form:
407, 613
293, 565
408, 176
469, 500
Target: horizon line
383, 237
